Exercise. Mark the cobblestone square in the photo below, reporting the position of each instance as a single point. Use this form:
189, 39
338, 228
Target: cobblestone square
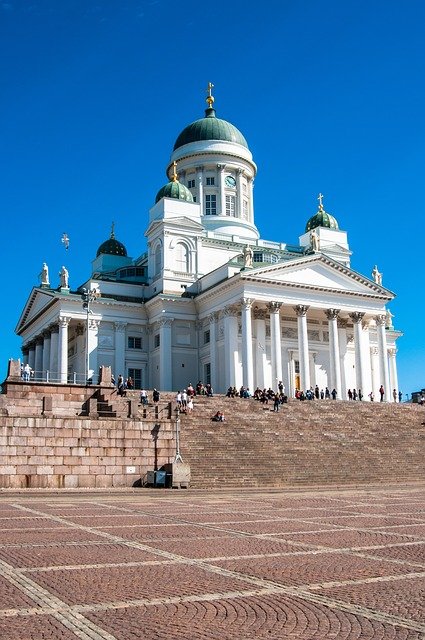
213, 565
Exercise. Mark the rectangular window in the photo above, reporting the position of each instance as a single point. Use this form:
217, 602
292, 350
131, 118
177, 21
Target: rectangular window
207, 373
210, 205
191, 184
134, 342
210, 182
136, 375
207, 337
231, 206
156, 341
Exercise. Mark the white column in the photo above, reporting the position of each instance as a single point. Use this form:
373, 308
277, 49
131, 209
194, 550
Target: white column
222, 195
374, 360
291, 374
92, 343
393, 374
200, 188
119, 360
63, 349
247, 361
251, 199
239, 198
230, 346
38, 366
367, 369
301, 311
357, 318
213, 317
383, 357
335, 366
54, 354
46, 354
260, 351
165, 355
342, 324
276, 343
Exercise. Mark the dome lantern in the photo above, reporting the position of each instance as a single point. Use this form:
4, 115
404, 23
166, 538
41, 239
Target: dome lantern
321, 218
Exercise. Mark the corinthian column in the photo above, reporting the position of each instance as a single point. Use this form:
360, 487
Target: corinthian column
247, 364
276, 346
301, 311
382, 354
393, 374
357, 318
213, 317
230, 346
261, 355
63, 349
335, 366
165, 354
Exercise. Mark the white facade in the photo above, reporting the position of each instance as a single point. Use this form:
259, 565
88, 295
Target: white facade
197, 307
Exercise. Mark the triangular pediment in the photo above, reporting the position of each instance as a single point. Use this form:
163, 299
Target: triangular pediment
38, 301
317, 272
183, 223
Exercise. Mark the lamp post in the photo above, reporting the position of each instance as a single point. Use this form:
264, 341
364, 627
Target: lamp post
88, 297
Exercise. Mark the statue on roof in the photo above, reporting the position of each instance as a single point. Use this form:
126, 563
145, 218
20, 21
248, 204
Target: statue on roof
248, 255
389, 319
314, 240
64, 278
44, 275
376, 275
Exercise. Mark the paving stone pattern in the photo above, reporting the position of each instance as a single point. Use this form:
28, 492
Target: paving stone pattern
213, 565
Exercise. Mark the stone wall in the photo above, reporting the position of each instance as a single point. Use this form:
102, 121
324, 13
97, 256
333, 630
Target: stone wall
62, 436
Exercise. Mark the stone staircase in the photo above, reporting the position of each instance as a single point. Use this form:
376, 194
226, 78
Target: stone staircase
305, 443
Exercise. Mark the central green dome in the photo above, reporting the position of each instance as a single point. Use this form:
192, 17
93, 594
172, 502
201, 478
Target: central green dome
210, 128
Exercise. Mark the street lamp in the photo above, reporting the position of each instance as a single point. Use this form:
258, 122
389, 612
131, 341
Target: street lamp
88, 297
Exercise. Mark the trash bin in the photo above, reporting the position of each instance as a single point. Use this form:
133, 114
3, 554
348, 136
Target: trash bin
160, 477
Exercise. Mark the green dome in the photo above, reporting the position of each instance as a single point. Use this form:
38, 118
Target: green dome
321, 219
112, 247
174, 189
210, 128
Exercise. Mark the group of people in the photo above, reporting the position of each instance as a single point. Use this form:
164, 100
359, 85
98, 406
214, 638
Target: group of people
123, 385
26, 372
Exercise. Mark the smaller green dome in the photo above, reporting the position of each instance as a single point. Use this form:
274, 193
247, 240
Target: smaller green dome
321, 219
174, 189
112, 246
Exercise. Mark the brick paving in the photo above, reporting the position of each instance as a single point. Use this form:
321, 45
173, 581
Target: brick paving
218, 565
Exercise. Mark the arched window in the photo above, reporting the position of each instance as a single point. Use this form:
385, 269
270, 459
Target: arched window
181, 258
158, 259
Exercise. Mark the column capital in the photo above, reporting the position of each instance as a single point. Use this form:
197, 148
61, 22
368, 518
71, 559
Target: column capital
46, 334
332, 314
247, 303
94, 324
357, 316
274, 307
221, 167
165, 322
120, 326
301, 310
392, 352
213, 317
39, 340
380, 320
64, 321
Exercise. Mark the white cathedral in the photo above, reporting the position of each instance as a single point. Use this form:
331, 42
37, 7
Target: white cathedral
212, 301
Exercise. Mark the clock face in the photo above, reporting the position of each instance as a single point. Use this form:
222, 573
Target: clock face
230, 181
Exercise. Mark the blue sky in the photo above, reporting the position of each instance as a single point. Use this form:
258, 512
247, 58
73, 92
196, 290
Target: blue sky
330, 96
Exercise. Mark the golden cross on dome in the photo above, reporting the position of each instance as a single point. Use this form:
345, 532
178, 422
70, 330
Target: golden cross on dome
210, 97
174, 171
320, 199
